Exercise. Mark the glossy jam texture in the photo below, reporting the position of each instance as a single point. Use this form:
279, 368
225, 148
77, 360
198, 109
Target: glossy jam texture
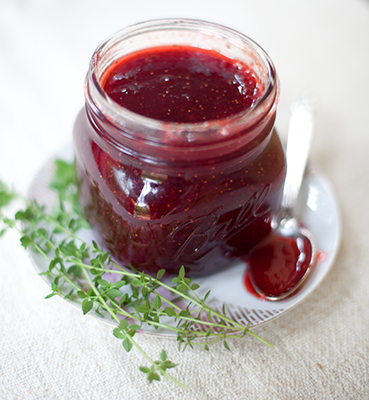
203, 214
181, 84
278, 263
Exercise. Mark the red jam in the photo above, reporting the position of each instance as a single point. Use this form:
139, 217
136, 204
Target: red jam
181, 84
277, 264
161, 194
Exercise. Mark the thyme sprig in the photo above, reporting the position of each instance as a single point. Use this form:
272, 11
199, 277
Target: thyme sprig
84, 273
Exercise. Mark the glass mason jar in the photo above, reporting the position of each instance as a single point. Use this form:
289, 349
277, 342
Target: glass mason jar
163, 194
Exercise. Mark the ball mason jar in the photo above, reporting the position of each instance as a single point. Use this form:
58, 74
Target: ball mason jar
162, 194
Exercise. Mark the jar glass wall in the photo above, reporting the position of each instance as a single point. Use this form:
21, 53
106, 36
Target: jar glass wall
166, 194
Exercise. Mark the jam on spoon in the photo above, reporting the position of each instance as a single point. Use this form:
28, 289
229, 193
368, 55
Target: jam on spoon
279, 264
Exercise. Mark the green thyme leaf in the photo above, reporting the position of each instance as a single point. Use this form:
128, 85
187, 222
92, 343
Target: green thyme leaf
157, 302
26, 241
134, 327
184, 313
6, 195
163, 355
123, 325
69, 249
114, 293
76, 270
87, 306
118, 285
81, 294
170, 311
160, 274
153, 376
118, 334
182, 288
143, 308
64, 177
127, 344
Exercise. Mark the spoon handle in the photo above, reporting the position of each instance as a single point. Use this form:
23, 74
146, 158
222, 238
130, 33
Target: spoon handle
300, 133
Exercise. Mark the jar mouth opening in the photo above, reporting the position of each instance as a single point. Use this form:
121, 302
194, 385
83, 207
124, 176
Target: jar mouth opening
185, 133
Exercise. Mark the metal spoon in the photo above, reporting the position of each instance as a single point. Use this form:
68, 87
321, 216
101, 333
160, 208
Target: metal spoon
300, 134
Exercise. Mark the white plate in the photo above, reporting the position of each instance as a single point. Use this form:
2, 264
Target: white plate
316, 208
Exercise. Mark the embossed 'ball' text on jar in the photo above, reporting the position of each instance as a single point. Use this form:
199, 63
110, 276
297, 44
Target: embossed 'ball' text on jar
163, 193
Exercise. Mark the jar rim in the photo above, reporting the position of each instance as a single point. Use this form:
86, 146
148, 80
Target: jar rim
101, 104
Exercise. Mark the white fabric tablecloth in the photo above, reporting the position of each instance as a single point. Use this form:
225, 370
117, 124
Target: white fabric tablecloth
48, 349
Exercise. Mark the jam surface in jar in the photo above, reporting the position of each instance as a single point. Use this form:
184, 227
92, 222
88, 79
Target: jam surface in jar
157, 212
181, 84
